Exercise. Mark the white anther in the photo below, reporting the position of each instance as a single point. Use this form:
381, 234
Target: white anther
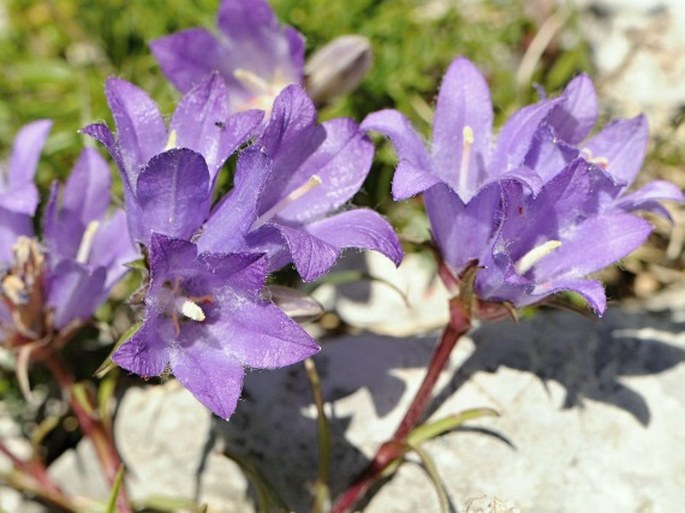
527, 261
467, 143
190, 309
84, 249
303, 189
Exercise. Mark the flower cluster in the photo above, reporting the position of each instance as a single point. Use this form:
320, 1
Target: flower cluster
206, 314
537, 210
50, 288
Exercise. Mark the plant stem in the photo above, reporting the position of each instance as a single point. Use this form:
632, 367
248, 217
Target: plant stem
90, 425
321, 493
459, 325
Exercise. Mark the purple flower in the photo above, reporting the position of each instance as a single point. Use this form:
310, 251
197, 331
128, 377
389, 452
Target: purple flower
288, 191
205, 321
253, 52
18, 193
169, 175
86, 249
53, 287
535, 213
618, 149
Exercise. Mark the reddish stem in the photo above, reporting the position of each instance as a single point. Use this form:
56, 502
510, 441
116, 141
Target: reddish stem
91, 426
459, 325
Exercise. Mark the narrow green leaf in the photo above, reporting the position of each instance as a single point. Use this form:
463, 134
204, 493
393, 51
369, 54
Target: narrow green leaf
440, 427
116, 486
432, 472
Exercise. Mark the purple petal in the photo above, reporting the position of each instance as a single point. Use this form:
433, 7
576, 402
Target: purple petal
262, 336
341, 162
88, 187
259, 43
312, 256
623, 144
202, 122
359, 228
214, 377
548, 155
187, 57
12, 225
290, 137
112, 248
463, 231
517, 135
575, 118
591, 290
75, 292
648, 197
592, 245
26, 149
141, 132
464, 100
173, 191
236, 272
21, 198
232, 219
104, 136
414, 171
145, 353
20, 194
577, 192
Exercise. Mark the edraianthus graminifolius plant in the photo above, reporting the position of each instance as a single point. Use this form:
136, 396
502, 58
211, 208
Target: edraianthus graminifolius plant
535, 213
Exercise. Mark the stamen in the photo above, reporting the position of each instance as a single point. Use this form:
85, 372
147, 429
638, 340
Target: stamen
171, 142
527, 261
190, 309
467, 143
253, 82
84, 249
602, 162
303, 189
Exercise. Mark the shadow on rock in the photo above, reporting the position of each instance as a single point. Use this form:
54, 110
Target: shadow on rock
588, 357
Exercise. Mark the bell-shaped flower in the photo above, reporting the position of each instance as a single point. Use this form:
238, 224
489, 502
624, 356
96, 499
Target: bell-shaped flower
205, 321
253, 52
18, 193
618, 149
86, 249
463, 174
169, 175
290, 191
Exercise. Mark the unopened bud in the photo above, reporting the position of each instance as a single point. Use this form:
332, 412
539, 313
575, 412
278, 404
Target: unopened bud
338, 67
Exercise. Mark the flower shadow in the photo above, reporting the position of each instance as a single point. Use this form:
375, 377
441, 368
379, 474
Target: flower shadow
588, 357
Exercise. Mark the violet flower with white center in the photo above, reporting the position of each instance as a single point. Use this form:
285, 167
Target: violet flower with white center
526, 210
169, 175
205, 321
18, 193
253, 52
289, 188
